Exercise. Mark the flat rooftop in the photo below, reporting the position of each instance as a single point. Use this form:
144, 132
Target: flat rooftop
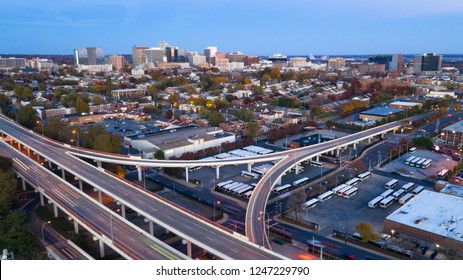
438, 213
453, 190
382, 111
457, 127
405, 104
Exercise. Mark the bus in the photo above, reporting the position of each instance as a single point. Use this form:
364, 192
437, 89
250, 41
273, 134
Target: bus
406, 198
316, 163
309, 204
193, 168
407, 187
364, 175
350, 193
386, 202
247, 195
343, 190
375, 202
298, 168
420, 162
325, 196
248, 174
386, 193
410, 159
442, 174
391, 184
417, 190
413, 162
335, 190
412, 150
282, 189
353, 181
222, 184
301, 182
398, 194
426, 164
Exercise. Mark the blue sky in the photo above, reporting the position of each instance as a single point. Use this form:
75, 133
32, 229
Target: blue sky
255, 27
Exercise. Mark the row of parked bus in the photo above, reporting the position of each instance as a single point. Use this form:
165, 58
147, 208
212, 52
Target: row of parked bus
403, 195
314, 201
286, 187
418, 162
236, 189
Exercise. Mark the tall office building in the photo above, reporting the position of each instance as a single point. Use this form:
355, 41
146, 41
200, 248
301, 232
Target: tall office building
117, 61
235, 57
428, 62
392, 62
12, 62
336, 63
278, 60
89, 56
138, 55
154, 55
172, 54
210, 52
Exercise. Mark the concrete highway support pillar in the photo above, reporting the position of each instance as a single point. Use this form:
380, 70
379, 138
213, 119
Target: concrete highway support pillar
123, 210
140, 177
317, 158
101, 248
55, 210
100, 197
50, 165
355, 145
188, 247
38, 157
42, 202
186, 174
151, 225
98, 164
23, 183
81, 186
76, 227
19, 146
338, 151
28, 151
369, 140
278, 181
249, 167
217, 172
63, 173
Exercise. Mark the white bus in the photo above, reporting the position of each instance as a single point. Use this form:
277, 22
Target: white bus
442, 173
247, 195
391, 184
413, 162
299, 169
282, 189
417, 190
386, 193
426, 164
375, 202
230, 186
343, 190
364, 175
420, 162
222, 184
410, 159
386, 202
412, 150
408, 186
350, 193
353, 181
248, 174
335, 190
325, 196
398, 194
406, 198
309, 204
193, 168
301, 182
316, 163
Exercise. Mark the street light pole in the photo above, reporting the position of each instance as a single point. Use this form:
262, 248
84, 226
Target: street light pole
218, 203
77, 136
43, 237
41, 122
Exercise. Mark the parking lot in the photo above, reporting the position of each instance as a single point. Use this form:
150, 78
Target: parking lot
343, 214
439, 162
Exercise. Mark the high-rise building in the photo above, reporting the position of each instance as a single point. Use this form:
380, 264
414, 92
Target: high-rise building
336, 63
138, 55
235, 57
195, 59
249, 60
210, 52
392, 62
172, 54
428, 62
117, 61
279, 60
154, 55
12, 62
89, 56
298, 62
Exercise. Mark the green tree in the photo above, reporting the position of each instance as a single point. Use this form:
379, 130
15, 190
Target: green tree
81, 106
7, 192
295, 201
5, 163
107, 143
23, 93
92, 132
215, 118
244, 114
55, 129
252, 130
424, 142
366, 232
27, 116
4, 100
159, 154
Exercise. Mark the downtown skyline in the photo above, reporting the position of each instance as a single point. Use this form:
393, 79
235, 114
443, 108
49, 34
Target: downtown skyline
257, 28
